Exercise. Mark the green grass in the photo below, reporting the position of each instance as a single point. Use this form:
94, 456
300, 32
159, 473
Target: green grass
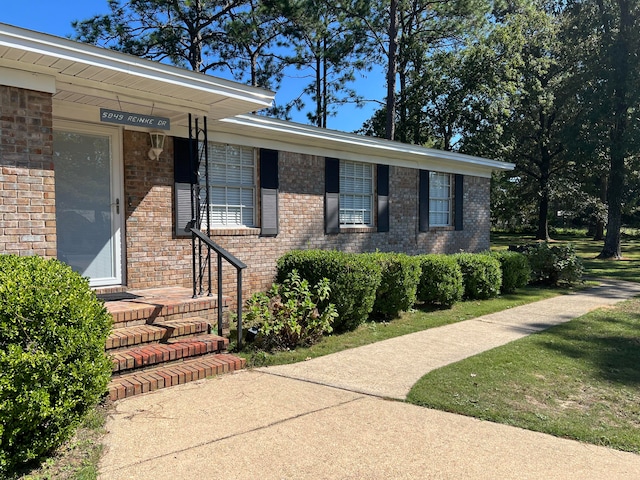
579, 380
409, 322
588, 249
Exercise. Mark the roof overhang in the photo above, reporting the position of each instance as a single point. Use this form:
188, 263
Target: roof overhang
84, 74
276, 134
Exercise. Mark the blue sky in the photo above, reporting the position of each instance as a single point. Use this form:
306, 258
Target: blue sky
55, 17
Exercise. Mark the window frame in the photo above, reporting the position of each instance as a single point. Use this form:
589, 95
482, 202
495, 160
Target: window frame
242, 187
369, 197
450, 200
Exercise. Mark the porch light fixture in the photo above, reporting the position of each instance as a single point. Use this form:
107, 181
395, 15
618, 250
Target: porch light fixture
157, 145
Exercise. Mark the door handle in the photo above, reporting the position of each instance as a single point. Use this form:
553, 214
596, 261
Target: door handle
117, 205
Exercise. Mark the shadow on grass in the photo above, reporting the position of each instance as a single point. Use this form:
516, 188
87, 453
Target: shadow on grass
610, 345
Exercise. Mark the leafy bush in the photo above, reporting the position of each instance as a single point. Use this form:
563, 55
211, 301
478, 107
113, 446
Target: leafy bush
354, 280
554, 265
516, 271
53, 365
481, 275
398, 285
287, 315
440, 280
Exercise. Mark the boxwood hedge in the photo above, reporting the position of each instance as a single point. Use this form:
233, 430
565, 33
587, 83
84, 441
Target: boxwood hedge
354, 280
53, 365
481, 275
440, 280
398, 285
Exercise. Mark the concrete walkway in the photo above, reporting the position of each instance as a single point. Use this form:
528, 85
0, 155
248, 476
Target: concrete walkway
339, 424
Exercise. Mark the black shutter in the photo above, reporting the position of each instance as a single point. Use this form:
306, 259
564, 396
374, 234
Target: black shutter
269, 185
459, 201
383, 197
184, 176
423, 205
332, 195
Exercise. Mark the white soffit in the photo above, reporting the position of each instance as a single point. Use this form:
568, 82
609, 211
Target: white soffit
89, 75
276, 134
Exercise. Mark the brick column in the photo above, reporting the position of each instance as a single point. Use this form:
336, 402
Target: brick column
27, 185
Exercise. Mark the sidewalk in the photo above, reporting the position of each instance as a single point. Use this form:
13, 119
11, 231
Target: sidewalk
267, 424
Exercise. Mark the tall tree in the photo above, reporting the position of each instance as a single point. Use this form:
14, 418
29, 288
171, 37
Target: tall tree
255, 32
187, 33
607, 35
330, 44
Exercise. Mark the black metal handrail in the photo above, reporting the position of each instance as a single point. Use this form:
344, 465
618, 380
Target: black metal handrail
205, 266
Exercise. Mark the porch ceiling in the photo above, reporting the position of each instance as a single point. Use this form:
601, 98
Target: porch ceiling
89, 75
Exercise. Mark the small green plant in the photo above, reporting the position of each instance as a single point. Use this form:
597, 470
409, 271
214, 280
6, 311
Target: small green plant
398, 286
554, 265
354, 281
287, 315
516, 271
53, 366
440, 280
481, 274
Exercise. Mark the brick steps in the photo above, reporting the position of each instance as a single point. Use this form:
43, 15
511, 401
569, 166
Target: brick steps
161, 338
159, 353
122, 338
175, 374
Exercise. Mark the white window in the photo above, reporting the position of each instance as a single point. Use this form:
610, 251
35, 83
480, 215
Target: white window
356, 193
232, 174
440, 199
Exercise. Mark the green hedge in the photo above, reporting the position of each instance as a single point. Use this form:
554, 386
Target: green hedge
516, 271
53, 365
481, 275
354, 281
398, 285
440, 280
554, 265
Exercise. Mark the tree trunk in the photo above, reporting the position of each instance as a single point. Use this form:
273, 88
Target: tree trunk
543, 215
318, 86
392, 71
620, 57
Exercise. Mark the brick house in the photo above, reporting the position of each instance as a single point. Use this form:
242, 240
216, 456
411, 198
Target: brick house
80, 183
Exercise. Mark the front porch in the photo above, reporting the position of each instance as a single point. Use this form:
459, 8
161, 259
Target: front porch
164, 337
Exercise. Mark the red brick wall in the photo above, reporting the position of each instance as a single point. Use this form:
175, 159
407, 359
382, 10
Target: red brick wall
155, 256
27, 189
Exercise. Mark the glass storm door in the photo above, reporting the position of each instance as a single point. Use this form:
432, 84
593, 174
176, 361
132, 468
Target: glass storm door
88, 221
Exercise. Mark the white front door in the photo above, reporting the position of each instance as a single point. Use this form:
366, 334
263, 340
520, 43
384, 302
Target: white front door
89, 202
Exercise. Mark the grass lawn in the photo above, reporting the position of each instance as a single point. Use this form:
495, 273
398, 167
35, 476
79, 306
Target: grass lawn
579, 380
588, 250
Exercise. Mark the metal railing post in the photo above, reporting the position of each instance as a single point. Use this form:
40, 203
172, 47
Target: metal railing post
220, 319
239, 302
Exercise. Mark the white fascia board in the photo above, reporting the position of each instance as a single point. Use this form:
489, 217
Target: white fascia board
38, 82
56, 47
298, 138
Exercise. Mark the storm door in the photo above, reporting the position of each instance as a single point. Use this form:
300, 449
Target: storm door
88, 203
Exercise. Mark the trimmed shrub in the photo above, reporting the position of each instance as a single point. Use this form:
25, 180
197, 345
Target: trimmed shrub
53, 365
516, 271
287, 315
440, 280
481, 275
354, 279
554, 265
398, 285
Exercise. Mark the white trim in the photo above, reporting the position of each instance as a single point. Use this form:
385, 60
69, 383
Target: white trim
11, 77
64, 49
298, 138
117, 191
